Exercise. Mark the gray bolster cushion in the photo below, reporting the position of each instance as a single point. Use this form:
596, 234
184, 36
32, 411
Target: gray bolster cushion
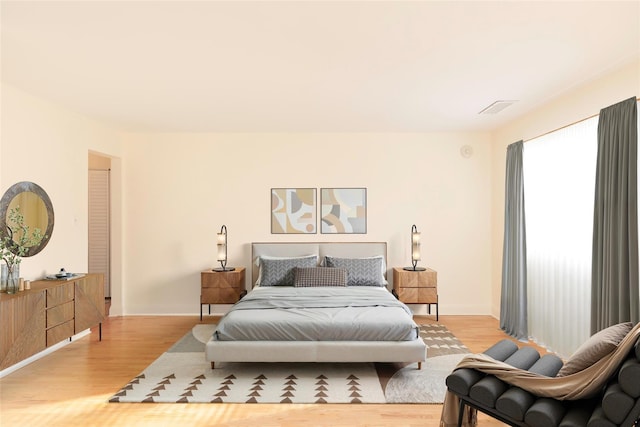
488, 389
634, 415
545, 412
629, 377
515, 401
461, 380
578, 415
524, 358
616, 404
502, 350
599, 419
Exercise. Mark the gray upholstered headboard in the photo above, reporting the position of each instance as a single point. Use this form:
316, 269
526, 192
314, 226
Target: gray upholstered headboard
336, 249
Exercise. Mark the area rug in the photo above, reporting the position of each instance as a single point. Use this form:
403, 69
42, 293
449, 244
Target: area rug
182, 375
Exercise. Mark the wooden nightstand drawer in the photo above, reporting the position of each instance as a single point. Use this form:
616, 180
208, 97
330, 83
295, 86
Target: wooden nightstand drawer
219, 295
418, 279
222, 280
418, 295
60, 314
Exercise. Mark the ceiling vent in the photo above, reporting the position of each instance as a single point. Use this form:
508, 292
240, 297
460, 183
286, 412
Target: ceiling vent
496, 107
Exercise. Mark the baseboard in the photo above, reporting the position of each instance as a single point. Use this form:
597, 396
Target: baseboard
43, 353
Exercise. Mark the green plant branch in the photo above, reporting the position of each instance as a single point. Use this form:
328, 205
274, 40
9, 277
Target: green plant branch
17, 239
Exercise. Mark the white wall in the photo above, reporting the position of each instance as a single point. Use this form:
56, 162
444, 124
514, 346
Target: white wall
180, 188
48, 145
574, 105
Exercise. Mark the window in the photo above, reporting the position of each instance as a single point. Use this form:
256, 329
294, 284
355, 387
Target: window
559, 182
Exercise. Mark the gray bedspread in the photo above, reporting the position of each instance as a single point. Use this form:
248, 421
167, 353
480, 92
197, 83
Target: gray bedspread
318, 314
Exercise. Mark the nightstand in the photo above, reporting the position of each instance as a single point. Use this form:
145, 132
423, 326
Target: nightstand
221, 287
416, 287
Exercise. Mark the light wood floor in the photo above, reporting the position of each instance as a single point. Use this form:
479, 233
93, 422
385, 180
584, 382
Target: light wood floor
71, 387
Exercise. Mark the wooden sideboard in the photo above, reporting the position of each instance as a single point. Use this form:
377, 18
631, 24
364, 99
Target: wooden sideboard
50, 312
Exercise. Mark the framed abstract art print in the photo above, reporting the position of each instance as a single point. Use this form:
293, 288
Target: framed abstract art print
343, 210
293, 211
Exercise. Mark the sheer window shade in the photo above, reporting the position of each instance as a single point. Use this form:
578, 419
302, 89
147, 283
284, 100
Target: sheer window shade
559, 177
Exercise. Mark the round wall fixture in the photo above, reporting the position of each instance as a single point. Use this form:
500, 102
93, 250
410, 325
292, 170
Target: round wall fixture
466, 151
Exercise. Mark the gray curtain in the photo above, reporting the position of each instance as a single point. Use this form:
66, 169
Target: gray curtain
513, 300
614, 276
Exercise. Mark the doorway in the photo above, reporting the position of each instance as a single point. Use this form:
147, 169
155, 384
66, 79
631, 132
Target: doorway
99, 220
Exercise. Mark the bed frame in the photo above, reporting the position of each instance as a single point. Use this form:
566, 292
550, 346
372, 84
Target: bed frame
316, 351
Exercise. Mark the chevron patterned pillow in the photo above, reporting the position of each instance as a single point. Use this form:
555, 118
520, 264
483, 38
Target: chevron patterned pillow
279, 271
360, 271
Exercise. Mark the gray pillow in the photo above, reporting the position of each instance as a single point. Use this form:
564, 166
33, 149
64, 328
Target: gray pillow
360, 271
595, 348
320, 276
280, 271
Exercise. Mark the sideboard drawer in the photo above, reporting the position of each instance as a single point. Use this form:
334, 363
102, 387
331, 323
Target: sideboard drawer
60, 294
60, 314
60, 333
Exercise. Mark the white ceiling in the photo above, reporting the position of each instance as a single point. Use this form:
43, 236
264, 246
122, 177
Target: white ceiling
310, 66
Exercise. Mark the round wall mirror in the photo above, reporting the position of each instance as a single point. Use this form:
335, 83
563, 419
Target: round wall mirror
35, 206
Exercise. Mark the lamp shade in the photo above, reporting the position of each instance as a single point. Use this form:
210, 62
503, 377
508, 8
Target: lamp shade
222, 250
415, 250
415, 245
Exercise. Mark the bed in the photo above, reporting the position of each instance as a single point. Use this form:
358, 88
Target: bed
299, 310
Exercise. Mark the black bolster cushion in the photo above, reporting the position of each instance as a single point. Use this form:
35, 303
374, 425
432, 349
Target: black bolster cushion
524, 358
545, 412
515, 401
578, 414
637, 349
487, 390
629, 377
599, 419
616, 404
461, 380
502, 350
634, 415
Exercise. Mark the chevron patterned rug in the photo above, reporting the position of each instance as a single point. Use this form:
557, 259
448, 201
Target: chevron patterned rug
181, 375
